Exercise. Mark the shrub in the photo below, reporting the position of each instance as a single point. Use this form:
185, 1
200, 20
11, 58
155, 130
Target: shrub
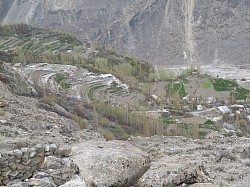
81, 122
209, 122
202, 134
104, 122
108, 135
48, 100
206, 83
65, 85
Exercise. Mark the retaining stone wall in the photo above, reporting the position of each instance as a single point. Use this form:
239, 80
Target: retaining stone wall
22, 163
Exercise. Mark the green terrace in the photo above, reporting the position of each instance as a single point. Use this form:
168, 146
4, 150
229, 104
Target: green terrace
25, 44
235, 89
177, 87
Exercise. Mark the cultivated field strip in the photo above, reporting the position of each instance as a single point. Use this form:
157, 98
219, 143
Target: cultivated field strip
39, 43
79, 83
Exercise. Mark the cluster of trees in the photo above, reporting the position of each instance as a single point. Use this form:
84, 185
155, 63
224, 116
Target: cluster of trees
162, 75
138, 123
131, 65
122, 69
128, 72
25, 57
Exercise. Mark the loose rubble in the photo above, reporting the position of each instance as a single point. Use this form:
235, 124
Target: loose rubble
176, 161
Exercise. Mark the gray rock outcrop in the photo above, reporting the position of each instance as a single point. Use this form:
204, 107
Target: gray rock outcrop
15, 82
113, 163
178, 161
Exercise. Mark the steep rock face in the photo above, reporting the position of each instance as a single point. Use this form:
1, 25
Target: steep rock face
162, 31
14, 81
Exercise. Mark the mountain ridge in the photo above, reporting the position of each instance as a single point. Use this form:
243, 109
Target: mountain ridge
164, 32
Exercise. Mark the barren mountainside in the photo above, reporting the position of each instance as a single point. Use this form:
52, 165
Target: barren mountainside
161, 31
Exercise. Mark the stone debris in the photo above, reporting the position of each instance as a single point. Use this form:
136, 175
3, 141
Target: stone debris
177, 161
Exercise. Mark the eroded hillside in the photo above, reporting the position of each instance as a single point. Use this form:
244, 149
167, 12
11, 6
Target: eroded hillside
161, 31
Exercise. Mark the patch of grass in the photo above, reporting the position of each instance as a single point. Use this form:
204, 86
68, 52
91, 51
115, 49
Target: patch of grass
119, 132
177, 87
69, 38
168, 120
223, 85
202, 134
240, 93
209, 122
59, 78
28, 46
93, 89
237, 91
65, 85
206, 83
116, 90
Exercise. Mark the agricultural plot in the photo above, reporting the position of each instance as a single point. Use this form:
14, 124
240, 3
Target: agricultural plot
240, 93
206, 83
81, 84
42, 43
177, 87
168, 120
214, 87
235, 89
223, 85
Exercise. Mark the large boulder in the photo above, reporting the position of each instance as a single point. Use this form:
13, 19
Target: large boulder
169, 172
113, 163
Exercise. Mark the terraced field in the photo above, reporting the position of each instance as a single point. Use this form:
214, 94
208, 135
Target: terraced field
44, 48
81, 83
177, 87
236, 90
43, 43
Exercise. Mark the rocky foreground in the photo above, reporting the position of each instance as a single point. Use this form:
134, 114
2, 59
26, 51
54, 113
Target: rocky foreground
41, 148
155, 161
